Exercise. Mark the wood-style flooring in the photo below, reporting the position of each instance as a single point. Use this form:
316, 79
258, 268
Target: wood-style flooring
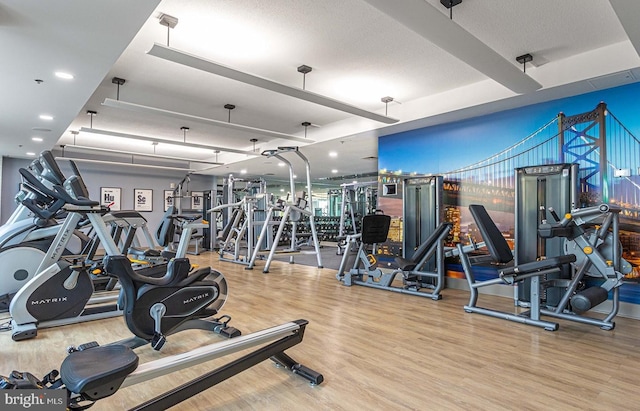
377, 350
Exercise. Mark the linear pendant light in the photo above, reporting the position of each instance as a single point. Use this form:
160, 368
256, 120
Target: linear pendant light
139, 108
160, 140
427, 21
136, 154
209, 66
112, 163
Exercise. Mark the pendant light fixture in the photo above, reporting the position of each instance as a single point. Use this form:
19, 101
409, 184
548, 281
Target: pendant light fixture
199, 63
166, 141
209, 66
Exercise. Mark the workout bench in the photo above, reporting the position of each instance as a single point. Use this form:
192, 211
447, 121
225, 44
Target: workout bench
584, 255
415, 275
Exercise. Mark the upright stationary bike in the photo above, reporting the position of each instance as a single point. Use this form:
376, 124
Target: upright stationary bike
59, 294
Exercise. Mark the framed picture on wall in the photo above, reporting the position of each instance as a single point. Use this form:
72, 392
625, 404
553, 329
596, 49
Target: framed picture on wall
142, 199
111, 197
197, 200
168, 199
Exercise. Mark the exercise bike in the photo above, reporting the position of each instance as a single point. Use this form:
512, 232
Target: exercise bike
154, 308
60, 293
29, 232
21, 226
26, 240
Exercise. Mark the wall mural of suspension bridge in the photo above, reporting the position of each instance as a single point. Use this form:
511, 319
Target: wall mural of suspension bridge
477, 158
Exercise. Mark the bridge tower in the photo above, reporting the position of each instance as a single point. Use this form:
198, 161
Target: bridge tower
583, 140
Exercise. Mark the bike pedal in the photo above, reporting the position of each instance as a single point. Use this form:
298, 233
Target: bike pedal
230, 332
158, 342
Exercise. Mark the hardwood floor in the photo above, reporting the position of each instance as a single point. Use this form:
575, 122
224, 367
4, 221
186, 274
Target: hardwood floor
377, 350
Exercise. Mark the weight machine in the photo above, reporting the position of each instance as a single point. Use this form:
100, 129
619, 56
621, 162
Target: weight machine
201, 239
292, 213
357, 200
536, 188
237, 239
422, 265
415, 277
592, 251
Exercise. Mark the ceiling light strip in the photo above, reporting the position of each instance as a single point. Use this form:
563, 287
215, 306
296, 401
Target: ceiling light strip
133, 153
112, 163
212, 67
424, 19
139, 108
160, 140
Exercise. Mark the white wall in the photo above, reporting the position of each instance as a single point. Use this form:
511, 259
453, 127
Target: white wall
105, 175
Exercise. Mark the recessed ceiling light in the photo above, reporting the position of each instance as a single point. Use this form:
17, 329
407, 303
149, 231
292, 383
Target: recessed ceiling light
333, 154
38, 139
243, 171
282, 190
45, 117
334, 171
63, 75
280, 164
30, 153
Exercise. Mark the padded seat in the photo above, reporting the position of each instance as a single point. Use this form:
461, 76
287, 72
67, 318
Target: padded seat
98, 372
124, 214
410, 264
551, 262
501, 253
143, 252
187, 217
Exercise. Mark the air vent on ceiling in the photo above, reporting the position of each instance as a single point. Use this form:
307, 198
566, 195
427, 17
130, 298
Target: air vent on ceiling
370, 158
612, 80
